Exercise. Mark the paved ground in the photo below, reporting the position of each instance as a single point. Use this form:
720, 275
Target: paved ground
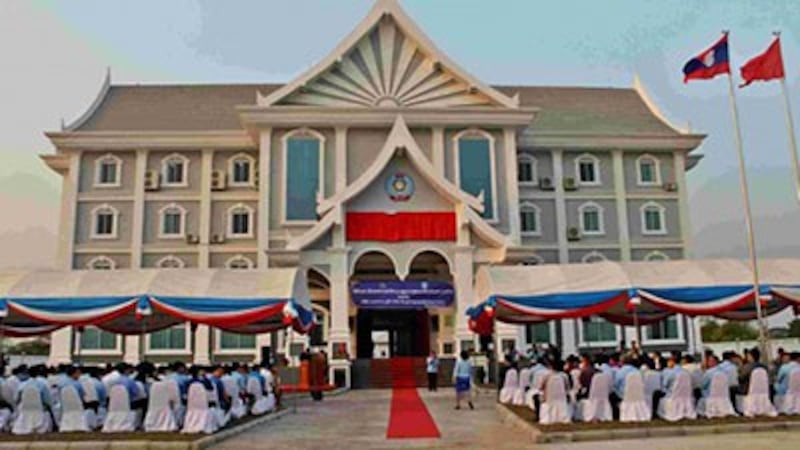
357, 420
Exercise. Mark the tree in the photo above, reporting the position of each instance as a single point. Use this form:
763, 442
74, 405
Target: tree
713, 331
33, 347
794, 328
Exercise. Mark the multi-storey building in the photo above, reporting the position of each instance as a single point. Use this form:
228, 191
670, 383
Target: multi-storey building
385, 161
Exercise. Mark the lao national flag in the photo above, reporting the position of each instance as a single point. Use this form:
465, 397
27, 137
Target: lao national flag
764, 67
710, 63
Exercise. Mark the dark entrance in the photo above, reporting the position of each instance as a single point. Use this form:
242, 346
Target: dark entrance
409, 331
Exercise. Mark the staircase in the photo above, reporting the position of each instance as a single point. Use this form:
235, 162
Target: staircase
397, 372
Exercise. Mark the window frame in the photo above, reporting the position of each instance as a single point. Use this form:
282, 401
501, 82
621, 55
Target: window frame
529, 207
656, 254
656, 170
250, 264
481, 134
218, 350
96, 211
595, 162
250, 173
681, 339
303, 132
552, 332
662, 212
593, 254
101, 258
98, 166
162, 212
160, 262
186, 350
527, 158
80, 351
582, 342
601, 221
250, 221
185, 170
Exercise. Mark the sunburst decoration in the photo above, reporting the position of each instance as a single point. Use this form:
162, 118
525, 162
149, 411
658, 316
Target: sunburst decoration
387, 69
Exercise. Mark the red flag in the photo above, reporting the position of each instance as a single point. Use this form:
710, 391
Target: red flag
766, 66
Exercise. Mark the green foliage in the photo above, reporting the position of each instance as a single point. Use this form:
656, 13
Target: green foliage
794, 328
34, 347
728, 331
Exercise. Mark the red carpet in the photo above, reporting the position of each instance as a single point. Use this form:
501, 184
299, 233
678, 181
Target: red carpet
408, 417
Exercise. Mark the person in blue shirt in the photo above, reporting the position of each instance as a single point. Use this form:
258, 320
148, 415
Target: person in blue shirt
462, 378
72, 374
712, 364
239, 374
35, 376
254, 373
215, 377
180, 376
432, 370
732, 370
790, 363
628, 367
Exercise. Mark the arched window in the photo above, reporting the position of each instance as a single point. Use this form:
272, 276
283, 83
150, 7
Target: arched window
303, 172
587, 170
591, 219
104, 222
653, 219
530, 219
593, 257
239, 262
171, 262
108, 171
476, 167
240, 221
101, 263
527, 169
175, 170
173, 222
241, 169
656, 256
648, 171
534, 260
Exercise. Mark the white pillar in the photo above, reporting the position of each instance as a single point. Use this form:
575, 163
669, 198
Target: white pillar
561, 206
340, 176
683, 202
622, 205
512, 187
133, 349
340, 307
202, 349
206, 168
137, 227
60, 347
264, 181
465, 294
438, 149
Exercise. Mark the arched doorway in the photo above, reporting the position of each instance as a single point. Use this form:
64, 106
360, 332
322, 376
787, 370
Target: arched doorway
433, 266
319, 289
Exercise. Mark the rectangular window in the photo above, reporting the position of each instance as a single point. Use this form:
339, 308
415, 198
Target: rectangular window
241, 223
234, 341
647, 172
538, 333
475, 171
303, 178
170, 339
525, 172
317, 335
588, 172
93, 338
108, 173
528, 222
597, 329
241, 171
172, 223
175, 172
666, 329
105, 224
652, 221
591, 221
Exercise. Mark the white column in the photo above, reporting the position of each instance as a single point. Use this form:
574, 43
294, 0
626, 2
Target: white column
567, 326
512, 187
683, 202
133, 349
61, 340
340, 176
465, 294
202, 349
622, 205
438, 149
340, 307
137, 227
264, 181
206, 168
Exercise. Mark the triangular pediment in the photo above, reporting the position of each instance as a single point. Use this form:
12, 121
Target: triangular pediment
388, 62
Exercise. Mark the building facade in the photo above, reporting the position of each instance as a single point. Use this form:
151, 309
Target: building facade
385, 161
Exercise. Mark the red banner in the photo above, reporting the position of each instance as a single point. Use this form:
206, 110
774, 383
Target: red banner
404, 226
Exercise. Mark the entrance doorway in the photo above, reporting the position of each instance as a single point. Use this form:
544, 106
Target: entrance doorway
391, 333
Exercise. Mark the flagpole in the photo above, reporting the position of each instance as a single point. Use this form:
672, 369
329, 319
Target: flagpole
792, 140
748, 217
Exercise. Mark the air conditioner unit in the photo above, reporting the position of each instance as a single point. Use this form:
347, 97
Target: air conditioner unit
192, 239
546, 184
671, 187
218, 181
151, 180
570, 184
218, 239
573, 234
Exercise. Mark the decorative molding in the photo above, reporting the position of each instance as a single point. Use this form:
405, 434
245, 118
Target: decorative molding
184, 170
542, 140
152, 140
239, 259
527, 207
162, 217
250, 221
96, 211
600, 219
656, 170
102, 259
250, 171
98, 165
164, 263
480, 134
306, 133
662, 212
595, 161
101, 95
527, 158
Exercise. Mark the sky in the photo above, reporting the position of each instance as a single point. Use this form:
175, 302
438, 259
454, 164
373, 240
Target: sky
55, 55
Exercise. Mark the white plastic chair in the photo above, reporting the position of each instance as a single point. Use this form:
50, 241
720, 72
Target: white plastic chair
524, 384
536, 388
634, 406
652, 384
510, 387
6, 414
680, 403
120, 417
756, 402
790, 402
31, 417
199, 417
90, 395
160, 411
73, 416
555, 408
213, 399
261, 404
238, 408
178, 408
575, 379
596, 407
718, 402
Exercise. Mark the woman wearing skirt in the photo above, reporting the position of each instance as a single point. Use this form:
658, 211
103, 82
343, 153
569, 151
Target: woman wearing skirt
462, 378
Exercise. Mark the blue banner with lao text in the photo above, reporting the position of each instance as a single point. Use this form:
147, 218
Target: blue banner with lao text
402, 294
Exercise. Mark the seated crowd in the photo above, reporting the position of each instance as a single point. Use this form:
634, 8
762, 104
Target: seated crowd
635, 387
124, 398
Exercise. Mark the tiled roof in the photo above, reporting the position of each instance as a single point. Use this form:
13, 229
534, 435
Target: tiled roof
608, 111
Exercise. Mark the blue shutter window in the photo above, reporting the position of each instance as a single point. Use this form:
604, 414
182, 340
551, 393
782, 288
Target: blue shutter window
475, 171
303, 178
